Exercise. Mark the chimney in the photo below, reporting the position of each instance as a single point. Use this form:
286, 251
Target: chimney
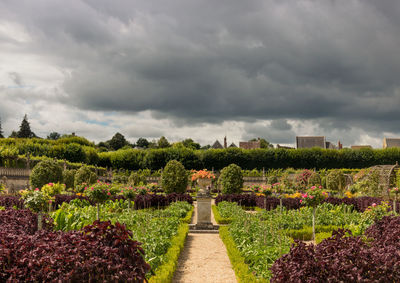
225, 143
340, 146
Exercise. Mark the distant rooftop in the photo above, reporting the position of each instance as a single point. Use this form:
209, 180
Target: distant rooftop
310, 142
391, 142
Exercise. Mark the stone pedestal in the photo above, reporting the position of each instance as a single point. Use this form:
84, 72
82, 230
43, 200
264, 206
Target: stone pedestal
203, 215
203, 211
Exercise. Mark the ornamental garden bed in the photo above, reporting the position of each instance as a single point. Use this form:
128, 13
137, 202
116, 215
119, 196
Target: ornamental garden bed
348, 242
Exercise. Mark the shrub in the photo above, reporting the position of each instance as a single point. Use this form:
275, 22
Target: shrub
368, 184
335, 181
135, 179
45, 172
52, 189
84, 175
174, 177
99, 192
74, 153
315, 179
231, 179
36, 200
69, 178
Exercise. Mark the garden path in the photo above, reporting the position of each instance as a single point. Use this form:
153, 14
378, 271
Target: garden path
204, 259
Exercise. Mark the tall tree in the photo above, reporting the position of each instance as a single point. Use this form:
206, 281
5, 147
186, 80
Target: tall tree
53, 136
163, 142
13, 134
25, 129
189, 143
1, 131
142, 142
117, 141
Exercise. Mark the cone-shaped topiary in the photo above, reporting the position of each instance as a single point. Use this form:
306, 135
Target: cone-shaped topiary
174, 177
231, 179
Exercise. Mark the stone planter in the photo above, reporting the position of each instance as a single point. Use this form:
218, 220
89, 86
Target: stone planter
203, 183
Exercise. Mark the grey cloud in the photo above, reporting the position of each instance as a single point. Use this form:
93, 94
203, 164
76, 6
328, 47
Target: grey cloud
16, 78
333, 63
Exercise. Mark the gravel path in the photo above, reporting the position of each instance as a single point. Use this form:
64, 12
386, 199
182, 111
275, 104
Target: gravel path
204, 259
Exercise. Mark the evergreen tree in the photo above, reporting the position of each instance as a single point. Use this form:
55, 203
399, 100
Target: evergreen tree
25, 129
1, 131
13, 134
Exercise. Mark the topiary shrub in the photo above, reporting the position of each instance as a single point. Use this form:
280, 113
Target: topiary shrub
336, 181
136, 179
314, 180
69, 178
84, 175
231, 179
45, 172
174, 177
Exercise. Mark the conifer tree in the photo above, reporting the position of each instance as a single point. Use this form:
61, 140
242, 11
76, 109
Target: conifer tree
1, 131
25, 129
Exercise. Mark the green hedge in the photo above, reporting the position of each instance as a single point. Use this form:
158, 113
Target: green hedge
165, 272
188, 218
242, 272
77, 149
268, 159
218, 218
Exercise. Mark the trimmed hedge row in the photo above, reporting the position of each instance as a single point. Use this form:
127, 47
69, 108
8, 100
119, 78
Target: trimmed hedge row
218, 218
154, 159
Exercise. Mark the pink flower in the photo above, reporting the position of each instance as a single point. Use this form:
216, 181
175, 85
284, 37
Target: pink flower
36, 189
374, 204
311, 197
91, 188
109, 193
301, 201
320, 187
51, 184
313, 187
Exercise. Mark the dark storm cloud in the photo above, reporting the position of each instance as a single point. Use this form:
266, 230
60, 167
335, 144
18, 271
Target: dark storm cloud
332, 62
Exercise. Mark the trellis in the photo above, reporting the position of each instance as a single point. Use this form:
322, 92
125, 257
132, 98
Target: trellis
387, 176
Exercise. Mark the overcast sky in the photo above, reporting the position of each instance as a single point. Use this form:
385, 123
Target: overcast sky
202, 69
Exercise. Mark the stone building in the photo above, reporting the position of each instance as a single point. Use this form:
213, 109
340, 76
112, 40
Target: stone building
391, 142
360, 146
315, 141
250, 145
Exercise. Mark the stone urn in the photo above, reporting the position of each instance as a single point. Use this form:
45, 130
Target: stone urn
204, 183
